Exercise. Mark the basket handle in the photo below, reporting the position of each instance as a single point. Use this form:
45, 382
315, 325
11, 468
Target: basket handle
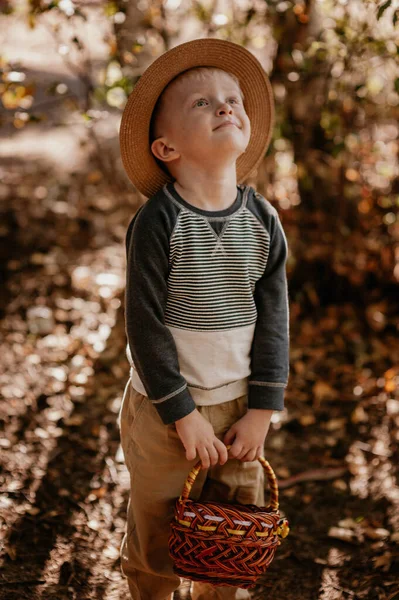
191, 477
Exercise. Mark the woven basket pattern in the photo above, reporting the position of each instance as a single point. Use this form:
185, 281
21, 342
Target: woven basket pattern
225, 544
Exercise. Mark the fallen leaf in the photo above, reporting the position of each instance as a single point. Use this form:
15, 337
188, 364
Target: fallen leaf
383, 561
375, 534
341, 533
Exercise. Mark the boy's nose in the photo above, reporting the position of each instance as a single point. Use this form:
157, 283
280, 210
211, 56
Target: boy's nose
224, 107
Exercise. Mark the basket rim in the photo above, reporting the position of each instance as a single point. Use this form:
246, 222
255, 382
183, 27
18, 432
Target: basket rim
254, 507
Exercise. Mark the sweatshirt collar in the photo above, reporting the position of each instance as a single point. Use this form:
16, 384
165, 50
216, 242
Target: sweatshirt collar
207, 213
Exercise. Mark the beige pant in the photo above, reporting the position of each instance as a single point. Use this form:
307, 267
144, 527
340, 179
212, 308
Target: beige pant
157, 463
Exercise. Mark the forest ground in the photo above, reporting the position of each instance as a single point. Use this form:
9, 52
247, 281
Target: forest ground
63, 483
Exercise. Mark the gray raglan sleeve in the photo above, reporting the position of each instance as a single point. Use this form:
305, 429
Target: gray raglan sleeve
270, 347
151, 343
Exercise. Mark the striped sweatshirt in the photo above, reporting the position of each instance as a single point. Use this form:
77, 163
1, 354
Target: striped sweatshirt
206, 303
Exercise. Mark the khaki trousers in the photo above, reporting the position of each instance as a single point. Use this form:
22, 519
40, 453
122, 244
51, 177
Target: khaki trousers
157, 464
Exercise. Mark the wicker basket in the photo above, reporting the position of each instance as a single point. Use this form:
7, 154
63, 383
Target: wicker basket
225, 544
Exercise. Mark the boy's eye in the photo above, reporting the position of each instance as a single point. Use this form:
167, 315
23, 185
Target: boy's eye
205, 100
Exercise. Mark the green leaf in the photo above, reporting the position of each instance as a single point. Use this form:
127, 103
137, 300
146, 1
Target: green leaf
337, 149
110, 9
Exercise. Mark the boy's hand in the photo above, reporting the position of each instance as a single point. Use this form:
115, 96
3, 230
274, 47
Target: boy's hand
250, 433
197, 435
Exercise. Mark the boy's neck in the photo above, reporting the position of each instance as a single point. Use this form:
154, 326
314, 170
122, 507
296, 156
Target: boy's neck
209, 196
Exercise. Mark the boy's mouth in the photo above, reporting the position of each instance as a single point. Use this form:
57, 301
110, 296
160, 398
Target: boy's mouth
226, 123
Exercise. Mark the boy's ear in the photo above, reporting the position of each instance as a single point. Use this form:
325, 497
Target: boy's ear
162, 151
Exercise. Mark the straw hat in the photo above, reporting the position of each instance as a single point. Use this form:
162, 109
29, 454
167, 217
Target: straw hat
134, 134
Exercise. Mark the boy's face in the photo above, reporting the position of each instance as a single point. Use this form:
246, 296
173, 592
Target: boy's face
189, 124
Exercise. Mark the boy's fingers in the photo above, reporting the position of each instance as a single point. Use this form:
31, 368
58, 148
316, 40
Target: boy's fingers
204, 456
190, 453
235, 450
222, 450
244, 452
249, 456
213, 453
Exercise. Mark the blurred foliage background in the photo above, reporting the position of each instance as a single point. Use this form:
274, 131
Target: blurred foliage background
66, 70
335, 75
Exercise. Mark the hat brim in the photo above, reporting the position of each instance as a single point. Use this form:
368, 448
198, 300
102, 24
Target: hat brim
138, 160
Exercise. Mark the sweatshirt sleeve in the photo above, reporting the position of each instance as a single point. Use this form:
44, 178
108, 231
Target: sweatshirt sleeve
270, 347
151, 343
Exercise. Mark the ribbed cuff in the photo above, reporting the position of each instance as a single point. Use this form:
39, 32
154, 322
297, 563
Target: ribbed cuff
264, 396
176, 407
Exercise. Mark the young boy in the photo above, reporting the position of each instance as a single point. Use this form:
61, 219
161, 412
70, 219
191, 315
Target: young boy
207, 316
